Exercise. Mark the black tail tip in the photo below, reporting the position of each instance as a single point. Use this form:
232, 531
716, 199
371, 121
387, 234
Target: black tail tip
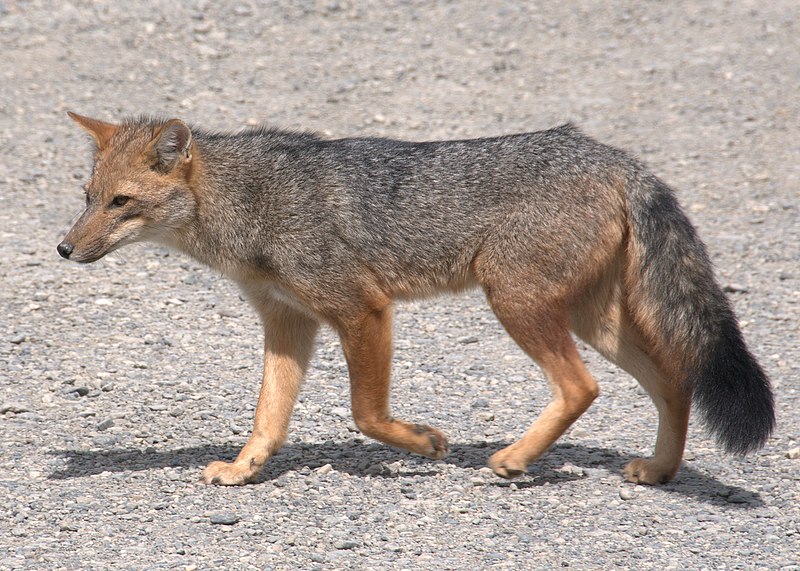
734, 397
745, 438
740, 430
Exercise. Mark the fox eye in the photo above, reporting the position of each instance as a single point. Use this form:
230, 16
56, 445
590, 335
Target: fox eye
120, 200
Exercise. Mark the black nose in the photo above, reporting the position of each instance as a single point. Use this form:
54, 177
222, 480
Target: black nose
65, 249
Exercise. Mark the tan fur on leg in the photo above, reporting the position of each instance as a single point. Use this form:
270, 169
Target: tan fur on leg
604, 323
542, 332
289, 341
367, 343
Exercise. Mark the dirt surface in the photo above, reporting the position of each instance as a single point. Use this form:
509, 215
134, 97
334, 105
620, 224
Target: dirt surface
119, 381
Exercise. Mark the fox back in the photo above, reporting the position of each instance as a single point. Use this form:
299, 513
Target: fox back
410, 217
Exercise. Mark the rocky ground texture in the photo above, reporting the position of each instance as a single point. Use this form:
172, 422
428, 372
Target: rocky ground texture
119, 381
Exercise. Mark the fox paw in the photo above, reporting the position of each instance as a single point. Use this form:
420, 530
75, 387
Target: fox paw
229, 474
437, 447
505, 465
641, 471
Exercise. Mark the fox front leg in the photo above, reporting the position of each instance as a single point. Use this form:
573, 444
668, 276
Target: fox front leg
367, 343
288, 344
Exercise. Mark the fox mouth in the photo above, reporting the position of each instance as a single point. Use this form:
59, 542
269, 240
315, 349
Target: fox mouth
93, 251
87, 259
80, 256
86, 255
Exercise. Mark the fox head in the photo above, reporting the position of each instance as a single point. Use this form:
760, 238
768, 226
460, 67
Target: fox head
139, 188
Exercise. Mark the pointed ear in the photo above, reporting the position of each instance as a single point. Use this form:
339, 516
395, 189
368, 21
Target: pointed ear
101, 131
171, 145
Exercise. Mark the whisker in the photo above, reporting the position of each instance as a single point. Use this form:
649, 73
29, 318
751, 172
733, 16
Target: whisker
65, 227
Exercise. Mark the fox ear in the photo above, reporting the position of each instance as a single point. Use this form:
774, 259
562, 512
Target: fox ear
171, 145
100, 130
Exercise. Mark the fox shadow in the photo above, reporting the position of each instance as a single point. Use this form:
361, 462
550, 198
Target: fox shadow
360, 459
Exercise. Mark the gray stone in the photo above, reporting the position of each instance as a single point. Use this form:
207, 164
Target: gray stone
105, 424
14, 407
224, 518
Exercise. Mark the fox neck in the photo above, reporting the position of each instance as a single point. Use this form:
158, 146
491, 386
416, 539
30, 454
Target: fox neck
223, 233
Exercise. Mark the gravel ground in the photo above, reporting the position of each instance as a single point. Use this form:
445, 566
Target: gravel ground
119, 381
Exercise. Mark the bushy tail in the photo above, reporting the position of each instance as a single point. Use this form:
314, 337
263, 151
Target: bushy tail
674, 298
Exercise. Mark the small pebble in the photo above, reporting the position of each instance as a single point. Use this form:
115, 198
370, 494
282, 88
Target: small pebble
105, 424
224, 518
393, 547
627, 493
13, 407
79, 391
67, 525
340, 411
579, 433
572, 470
734, 288
326, 469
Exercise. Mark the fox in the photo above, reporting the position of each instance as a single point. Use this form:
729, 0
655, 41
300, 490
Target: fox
565, 236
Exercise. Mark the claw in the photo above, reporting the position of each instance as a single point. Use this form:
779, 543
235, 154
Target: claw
508, 473
641, 471
225, 474
506, 465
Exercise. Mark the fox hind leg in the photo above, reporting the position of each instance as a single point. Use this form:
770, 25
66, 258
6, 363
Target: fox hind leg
609, 329
673, 406
541, 330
